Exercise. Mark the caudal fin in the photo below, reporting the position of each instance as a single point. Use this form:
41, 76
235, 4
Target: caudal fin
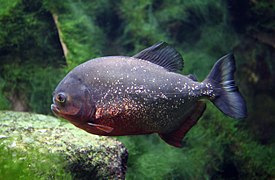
227, 96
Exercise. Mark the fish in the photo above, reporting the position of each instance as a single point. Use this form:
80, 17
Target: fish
145, 94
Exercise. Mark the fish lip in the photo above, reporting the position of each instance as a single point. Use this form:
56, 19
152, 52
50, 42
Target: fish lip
55, 109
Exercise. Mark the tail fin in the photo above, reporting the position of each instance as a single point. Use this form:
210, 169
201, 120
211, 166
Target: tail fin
227, 97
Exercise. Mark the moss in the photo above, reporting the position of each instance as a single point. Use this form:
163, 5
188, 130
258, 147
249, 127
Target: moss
29, 163
53, 148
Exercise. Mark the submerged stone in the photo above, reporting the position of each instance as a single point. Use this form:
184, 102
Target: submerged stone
86, 156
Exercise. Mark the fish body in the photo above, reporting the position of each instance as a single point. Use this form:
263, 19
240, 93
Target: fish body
144, 94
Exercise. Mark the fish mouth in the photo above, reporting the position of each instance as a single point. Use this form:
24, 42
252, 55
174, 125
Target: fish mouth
67, 115
55, 109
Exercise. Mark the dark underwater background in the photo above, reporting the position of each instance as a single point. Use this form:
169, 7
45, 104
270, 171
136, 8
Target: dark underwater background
42, 40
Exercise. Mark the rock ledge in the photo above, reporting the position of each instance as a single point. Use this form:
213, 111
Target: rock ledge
87, 156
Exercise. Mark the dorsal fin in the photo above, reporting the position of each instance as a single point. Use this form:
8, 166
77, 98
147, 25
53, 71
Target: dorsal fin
193, 77
164, 55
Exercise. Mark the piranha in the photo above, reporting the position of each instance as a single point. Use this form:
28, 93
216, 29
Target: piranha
144, 94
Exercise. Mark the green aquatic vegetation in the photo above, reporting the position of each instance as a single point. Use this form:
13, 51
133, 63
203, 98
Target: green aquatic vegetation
238, 146
6, 6
4, 103
81, 36
29, 163
264, 11
28, 35
30, 52
36, 82
141, 26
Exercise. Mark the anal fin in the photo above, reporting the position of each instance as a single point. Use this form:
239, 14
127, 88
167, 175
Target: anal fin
174, 138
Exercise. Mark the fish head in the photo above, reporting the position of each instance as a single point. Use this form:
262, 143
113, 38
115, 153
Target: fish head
73, 101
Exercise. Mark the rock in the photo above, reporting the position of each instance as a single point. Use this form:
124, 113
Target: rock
86, 156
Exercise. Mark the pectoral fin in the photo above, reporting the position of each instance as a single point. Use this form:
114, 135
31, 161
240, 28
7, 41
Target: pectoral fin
174, 138
106, 129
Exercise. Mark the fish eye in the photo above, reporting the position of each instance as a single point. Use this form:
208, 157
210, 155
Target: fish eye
61, 97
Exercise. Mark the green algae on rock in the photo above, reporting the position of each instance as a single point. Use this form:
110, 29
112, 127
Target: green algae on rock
84, 155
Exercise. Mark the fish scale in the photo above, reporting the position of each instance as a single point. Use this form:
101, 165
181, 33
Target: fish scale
153, 102
144, 94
